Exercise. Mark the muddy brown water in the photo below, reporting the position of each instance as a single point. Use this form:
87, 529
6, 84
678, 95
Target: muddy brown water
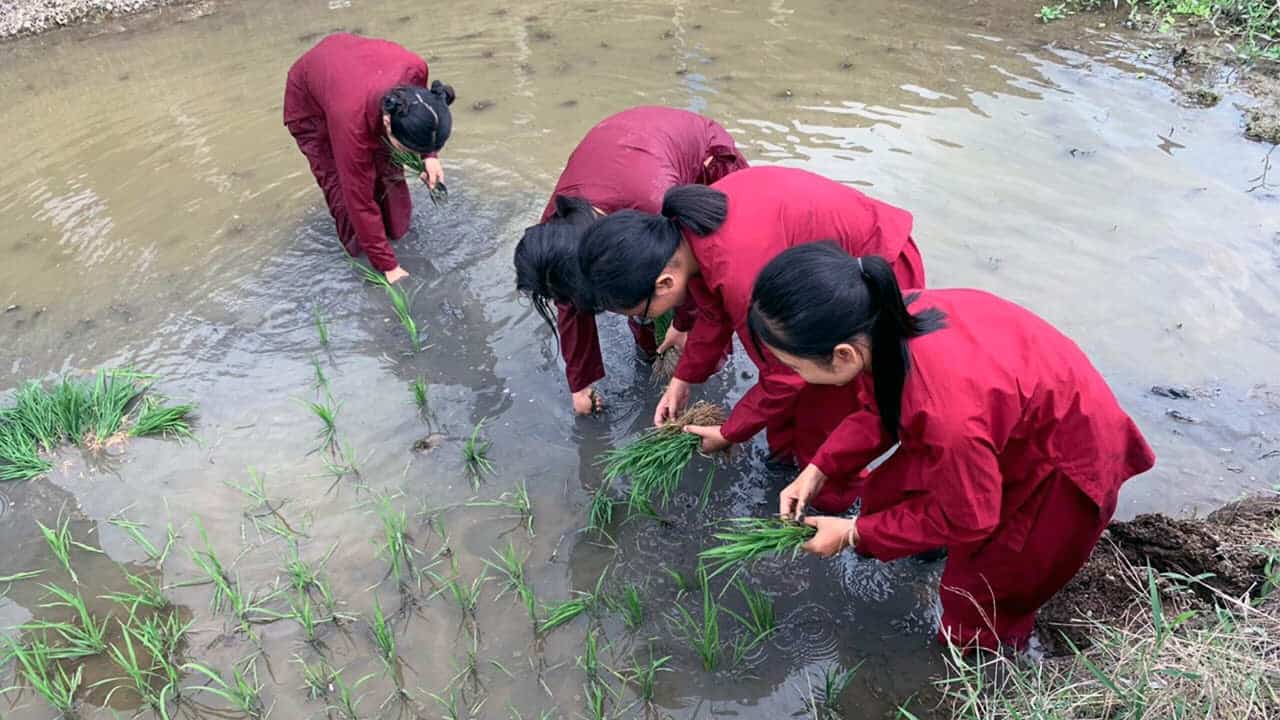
157, 214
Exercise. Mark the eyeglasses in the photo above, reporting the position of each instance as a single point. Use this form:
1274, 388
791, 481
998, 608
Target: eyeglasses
643, 318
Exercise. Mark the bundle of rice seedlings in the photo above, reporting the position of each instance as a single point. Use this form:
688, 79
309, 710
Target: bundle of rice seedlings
166, 420
19, 456
744, 539
656, 460
414, 163
664, 367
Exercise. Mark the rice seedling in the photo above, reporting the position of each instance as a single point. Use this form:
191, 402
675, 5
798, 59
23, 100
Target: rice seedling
396, 546
35, 663
36, 412
109, 399
139, 676
71, 406
322, 327
305, 576
302, 611
475, 453
746, 538
216, 573
823, 701
703, 635
565, 612
517, 501
511, 564
243, 692
164, 420
759, 618
162, 636
326, 409
83, 638
419, 389
643, 678
146, 593
629, 605
655, 461
19, 456
597, 701
589, 660
399, 302
344, 700
342, 463
544, 715
466, 597
600, 512
384, 636
682, 582
133, 530
319, 381
450, 705
317, 679
61, 543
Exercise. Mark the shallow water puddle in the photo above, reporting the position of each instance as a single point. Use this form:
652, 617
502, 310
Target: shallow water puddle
158, 214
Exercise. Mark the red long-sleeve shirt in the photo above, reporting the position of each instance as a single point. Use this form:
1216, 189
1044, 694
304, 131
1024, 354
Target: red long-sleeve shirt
343, 79
994, 404
772, 209
629, 161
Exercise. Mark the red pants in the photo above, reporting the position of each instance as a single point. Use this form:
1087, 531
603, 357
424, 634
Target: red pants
391, 192
991, 590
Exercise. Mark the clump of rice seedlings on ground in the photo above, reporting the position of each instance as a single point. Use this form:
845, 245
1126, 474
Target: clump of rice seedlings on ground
164, 420
84, 637
399, 302
565, 612
759, 619
71, 405
303, 612
475, 454
140, 675
326, 409
109, 400
36, 665
307, 577
655, 461
61, 543
19, 456
511, 565
384, 636
243, 693
343, 699
395, 546
466, 597
133, 530
162, 635
36, 411
317, 678
822, 701
643, 677
517, 501
322, 327
702, 634
419, 389
744, 539
629, 605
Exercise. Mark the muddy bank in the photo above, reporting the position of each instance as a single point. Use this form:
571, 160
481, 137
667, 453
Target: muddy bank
29, 17
1228, 551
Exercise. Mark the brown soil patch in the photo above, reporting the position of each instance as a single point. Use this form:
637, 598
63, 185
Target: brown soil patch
1222, 549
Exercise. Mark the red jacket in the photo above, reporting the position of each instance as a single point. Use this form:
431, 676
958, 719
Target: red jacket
994, 404
772, 209
342, 80
629, 161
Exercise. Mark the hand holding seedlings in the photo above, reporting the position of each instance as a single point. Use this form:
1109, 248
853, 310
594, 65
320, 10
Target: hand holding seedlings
834, 535
673, 401
795, 497
395, 274
713, 440
432, 172
587, 402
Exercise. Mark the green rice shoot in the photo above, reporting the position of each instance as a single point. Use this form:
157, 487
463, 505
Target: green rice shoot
655, 462
163, 420
36, 665
407, 159
475, 454
61, 544
744, 539
243, 692
399, 302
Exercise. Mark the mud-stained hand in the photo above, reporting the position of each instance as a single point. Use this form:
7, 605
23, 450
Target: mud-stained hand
834, 534
712, 439
434, 172
396, 274
673, 401
795, 497
587, 402
673, 339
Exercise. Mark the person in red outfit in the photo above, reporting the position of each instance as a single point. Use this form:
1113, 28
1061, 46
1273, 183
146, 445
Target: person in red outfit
345, 100
627, 161
709, 244
1011, 447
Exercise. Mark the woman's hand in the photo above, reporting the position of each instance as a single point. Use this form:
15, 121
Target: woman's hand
712, 439
434, 172
395, 274
673, 401
674, 339
834, 535
795, 497
587, 402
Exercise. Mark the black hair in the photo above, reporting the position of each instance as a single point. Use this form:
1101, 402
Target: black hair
546, 259
420, 118
622, 255
815, 296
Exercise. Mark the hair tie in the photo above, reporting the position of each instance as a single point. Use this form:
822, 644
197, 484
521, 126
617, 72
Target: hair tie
861, 270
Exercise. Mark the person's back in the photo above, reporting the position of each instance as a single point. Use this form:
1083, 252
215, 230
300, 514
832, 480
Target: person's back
345, 77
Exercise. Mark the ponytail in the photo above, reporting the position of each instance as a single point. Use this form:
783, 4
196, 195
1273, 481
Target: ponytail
813, 297
622, 255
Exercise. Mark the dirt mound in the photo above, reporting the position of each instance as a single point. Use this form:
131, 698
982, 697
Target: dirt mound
1224, 550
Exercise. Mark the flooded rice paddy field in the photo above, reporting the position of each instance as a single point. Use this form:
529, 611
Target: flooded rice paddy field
156, 214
